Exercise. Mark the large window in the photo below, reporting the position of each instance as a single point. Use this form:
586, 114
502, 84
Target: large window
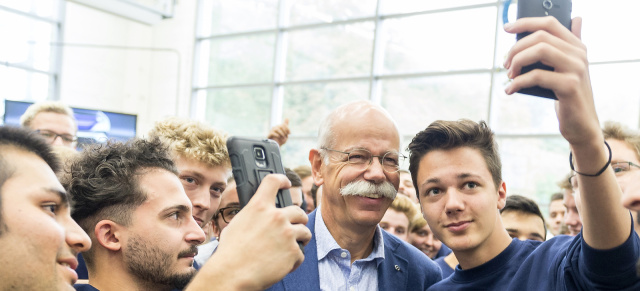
261, 61
29, 56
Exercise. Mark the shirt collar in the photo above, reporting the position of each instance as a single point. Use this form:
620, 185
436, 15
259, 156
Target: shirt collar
326, 243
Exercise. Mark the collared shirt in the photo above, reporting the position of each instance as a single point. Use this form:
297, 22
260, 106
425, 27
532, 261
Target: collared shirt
334, 263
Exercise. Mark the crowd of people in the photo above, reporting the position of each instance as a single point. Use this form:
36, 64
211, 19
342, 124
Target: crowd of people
162, 212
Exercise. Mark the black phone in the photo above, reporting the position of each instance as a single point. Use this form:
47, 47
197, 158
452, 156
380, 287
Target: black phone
251, 161
561, 10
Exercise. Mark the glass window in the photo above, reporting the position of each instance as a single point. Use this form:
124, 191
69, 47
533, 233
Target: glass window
607, 29
423, 43
520, 113
328, 11
27, 46
533, 166
296, 151
240, 59
241, 111
223, 16
306, 104
330, 52
408, 6
616, 92
42, 8
415, 103
18, 84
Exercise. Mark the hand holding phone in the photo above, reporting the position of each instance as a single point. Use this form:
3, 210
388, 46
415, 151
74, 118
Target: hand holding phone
561, 10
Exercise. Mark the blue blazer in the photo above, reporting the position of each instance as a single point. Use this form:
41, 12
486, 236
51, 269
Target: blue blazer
404, 267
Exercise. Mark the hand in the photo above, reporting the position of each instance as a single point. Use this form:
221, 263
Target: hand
280, 133
554, 45
259, 247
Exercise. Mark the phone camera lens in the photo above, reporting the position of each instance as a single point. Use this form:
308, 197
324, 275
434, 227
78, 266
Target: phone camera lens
547, 4
259, 153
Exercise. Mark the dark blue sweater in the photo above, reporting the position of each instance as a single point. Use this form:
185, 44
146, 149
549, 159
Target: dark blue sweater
561, 263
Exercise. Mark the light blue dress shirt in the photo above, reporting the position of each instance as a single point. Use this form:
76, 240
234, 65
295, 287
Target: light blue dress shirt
334, 263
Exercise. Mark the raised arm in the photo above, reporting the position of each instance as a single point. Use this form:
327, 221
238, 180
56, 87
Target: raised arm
606, 224
259, 247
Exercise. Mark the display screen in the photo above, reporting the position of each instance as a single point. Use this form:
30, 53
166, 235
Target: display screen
94, 126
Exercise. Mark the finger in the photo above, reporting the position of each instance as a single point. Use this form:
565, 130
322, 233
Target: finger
560, 83
286, 121
295, 214
576, 27
268, 189
548, 23
302, 233
536, 38
548, 55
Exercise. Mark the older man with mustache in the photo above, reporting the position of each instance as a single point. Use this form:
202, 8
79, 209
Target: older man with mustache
357, 162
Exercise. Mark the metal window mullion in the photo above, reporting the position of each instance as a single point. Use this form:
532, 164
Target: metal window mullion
377, 58
493, 63
57, 53
279, 57
29, 15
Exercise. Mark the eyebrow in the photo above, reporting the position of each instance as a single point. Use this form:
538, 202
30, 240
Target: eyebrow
192, 173
64, 197
181, 207
459, 177
232, 204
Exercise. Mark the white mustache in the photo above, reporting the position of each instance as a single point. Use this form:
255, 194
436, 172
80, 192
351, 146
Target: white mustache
370, 190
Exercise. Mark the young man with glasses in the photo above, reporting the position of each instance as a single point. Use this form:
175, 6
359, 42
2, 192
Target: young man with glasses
457, 170
54, 121
356, 162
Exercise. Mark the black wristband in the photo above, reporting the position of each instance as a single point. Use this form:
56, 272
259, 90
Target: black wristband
599, 172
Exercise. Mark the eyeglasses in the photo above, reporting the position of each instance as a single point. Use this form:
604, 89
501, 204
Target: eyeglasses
361, 159
622, 167
51, 136
619, 168
228, 213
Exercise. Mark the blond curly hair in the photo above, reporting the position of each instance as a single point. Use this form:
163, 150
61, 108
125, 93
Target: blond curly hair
193, 140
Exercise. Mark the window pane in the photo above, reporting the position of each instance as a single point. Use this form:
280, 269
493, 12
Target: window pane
532, 167
42, 8
19, 84
330, 52
616, 92
520, 113
242, 59
243, 112
609, 28
223, 16
305, 105
415, 103
296, 151
424, 44
313, 11
404, 6
25, 41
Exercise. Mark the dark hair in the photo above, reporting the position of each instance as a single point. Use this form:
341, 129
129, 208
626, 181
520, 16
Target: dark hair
523, 204
293, 177
27, 141
446, 135
103, 181
556, 196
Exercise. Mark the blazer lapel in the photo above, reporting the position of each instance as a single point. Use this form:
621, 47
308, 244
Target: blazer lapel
306, 276
395, 267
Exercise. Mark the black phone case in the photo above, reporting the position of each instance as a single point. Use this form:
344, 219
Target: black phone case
561, 10
248, 174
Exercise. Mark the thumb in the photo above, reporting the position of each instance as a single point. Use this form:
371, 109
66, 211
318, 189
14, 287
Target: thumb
268, 189
576, 27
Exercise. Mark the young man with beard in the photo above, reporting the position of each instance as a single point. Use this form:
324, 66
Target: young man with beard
130, 201
357, 163
38, 239
457, 171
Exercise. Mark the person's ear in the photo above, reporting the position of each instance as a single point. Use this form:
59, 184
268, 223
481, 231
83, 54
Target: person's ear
316, 160
108, 235
502, 195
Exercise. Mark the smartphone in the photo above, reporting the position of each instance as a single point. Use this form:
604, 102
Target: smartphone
251, 161
561, 10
